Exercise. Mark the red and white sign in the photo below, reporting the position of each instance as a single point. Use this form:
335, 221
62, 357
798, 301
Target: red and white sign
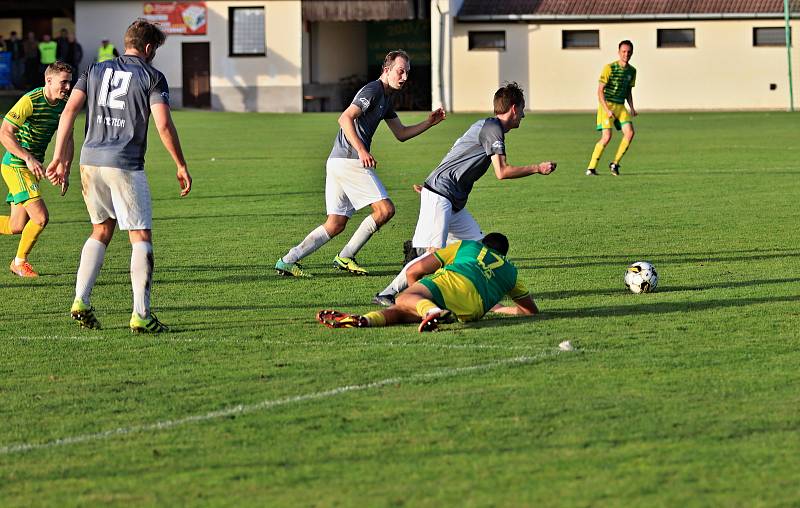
181, 18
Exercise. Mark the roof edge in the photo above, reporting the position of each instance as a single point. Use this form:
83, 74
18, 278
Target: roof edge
473, 18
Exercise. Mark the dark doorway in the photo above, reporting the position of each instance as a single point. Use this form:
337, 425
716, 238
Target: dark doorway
37, 25
196, 75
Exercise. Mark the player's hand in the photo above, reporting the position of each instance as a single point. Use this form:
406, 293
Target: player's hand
417, 188
633, 111
436, 116
547, 167
367, 160
64, 185
35, 167
184, 180
55, 172
609, 113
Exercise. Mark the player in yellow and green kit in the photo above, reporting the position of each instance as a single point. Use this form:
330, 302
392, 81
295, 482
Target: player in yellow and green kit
25, 134
616, 83
462, 281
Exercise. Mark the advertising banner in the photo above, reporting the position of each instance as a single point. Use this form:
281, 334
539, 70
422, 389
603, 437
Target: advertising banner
179, 18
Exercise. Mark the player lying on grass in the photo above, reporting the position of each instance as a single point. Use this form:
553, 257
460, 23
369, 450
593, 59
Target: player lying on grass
463, 281
443, 214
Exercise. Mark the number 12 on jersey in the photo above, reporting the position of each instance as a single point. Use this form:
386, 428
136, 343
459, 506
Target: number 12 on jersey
114, 87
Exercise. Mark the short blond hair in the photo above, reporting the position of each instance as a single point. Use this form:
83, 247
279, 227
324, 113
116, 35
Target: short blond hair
57, 67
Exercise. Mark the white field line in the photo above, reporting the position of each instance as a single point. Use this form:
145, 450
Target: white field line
268, 404
304, 344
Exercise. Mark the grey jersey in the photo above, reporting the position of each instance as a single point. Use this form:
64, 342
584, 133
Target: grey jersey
119, 94
467, 161
375, 106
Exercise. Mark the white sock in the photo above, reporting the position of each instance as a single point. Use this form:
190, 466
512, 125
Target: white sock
362, 235
400, 282
433, 311
312, 242
141, 276
92, 256
19, 261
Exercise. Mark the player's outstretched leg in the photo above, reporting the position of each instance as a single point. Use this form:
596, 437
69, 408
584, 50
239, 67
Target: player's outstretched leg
336, 319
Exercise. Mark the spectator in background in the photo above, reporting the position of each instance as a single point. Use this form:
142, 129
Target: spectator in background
106, 51
2, 43
30, 48
74, 56
14, 45
62, 45
47, 54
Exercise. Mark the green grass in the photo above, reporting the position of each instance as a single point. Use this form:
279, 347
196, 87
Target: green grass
684, 397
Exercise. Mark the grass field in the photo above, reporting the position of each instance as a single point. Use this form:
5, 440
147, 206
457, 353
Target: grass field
685, 397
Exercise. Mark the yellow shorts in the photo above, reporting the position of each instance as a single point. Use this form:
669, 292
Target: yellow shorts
621, 116
456, 293
22, 184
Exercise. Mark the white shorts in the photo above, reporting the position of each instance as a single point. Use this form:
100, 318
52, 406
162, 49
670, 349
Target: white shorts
439, 226
119, 194
350, 187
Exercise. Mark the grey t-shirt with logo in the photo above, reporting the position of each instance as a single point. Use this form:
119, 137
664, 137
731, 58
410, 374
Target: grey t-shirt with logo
119, 94
375, 106
467, 161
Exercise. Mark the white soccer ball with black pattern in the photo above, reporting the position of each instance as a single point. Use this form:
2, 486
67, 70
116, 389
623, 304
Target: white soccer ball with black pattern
641, 277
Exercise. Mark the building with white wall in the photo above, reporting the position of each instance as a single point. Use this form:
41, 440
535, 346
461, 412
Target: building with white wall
704, 54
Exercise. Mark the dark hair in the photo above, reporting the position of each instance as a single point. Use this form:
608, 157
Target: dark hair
141, 33
56, 67
496, 241
391, 56
509, 95
626, 41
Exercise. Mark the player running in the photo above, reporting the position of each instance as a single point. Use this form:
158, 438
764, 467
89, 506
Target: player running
25, 134
463, 282
120, 94
443, 217
351, 182
616, 86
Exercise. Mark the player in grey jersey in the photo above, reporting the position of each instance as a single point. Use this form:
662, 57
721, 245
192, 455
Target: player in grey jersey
120, 95
351, 183
443, 217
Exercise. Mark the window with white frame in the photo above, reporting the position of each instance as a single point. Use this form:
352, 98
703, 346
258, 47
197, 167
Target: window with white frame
246, 31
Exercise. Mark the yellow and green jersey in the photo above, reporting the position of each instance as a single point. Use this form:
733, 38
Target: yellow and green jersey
619, 80
492, 275
36, 120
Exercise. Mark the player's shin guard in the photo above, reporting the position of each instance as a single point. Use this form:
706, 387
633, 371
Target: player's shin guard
425, 306
30, 234
596, 154
623, 147
92, 256
362, 235
141, 276
310, 243
375, 318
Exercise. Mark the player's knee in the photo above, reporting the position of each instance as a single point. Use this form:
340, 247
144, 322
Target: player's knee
384, 212
334, 227
629, 136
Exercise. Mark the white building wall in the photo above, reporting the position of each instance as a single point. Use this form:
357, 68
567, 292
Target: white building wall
723, 71
268, 83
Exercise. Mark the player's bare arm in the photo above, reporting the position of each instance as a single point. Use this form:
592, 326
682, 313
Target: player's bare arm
424, 266
8, 137
404, 133
58, 169
602, 98
522, 307
347, 123
504, 171
630, 103
169, 138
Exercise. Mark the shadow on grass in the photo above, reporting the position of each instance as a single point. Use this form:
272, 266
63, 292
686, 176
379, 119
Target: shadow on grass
670, 258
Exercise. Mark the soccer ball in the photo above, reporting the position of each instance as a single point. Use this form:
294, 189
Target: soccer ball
641, 277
